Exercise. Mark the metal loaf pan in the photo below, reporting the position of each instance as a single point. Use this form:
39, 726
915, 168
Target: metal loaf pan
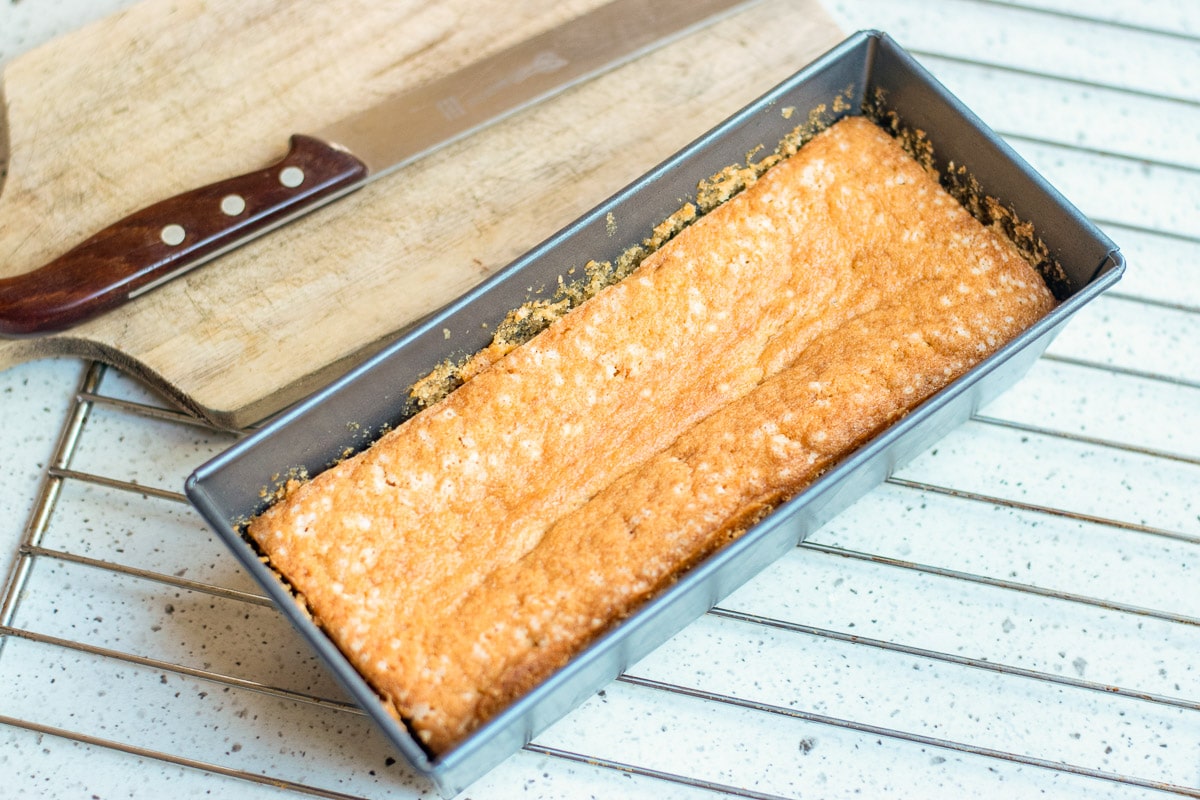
351, 412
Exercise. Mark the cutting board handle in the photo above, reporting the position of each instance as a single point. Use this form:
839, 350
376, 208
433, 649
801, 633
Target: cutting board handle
165, 240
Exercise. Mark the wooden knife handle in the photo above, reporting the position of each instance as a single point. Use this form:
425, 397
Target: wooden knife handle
164, 240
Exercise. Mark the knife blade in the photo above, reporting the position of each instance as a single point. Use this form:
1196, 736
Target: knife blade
173, 236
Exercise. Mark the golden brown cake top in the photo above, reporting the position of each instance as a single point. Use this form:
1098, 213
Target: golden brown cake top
477, 547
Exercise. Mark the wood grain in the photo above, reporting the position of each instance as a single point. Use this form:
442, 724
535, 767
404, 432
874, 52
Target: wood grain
172, 95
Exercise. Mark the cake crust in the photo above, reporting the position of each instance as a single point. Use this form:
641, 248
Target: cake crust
477, 547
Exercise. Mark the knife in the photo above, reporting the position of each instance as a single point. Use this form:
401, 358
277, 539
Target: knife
164, 240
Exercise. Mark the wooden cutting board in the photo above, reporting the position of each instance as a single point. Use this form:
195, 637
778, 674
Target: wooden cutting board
173, 94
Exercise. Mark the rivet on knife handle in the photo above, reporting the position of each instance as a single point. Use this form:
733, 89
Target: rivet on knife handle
163, 240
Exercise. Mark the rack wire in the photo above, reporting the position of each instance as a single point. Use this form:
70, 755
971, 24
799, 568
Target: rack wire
1017, 610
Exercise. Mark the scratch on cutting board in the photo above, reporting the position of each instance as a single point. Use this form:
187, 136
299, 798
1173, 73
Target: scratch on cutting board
412, 56
443, 25
3, 135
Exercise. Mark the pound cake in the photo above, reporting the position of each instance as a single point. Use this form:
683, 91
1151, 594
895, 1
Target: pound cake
474, 549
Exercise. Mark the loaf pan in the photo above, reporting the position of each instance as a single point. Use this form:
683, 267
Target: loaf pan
866, 70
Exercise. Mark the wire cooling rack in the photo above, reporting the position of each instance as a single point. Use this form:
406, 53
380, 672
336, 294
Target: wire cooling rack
1015, 612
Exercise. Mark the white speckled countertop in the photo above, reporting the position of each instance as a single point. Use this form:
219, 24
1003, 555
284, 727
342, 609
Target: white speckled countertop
1016, 613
